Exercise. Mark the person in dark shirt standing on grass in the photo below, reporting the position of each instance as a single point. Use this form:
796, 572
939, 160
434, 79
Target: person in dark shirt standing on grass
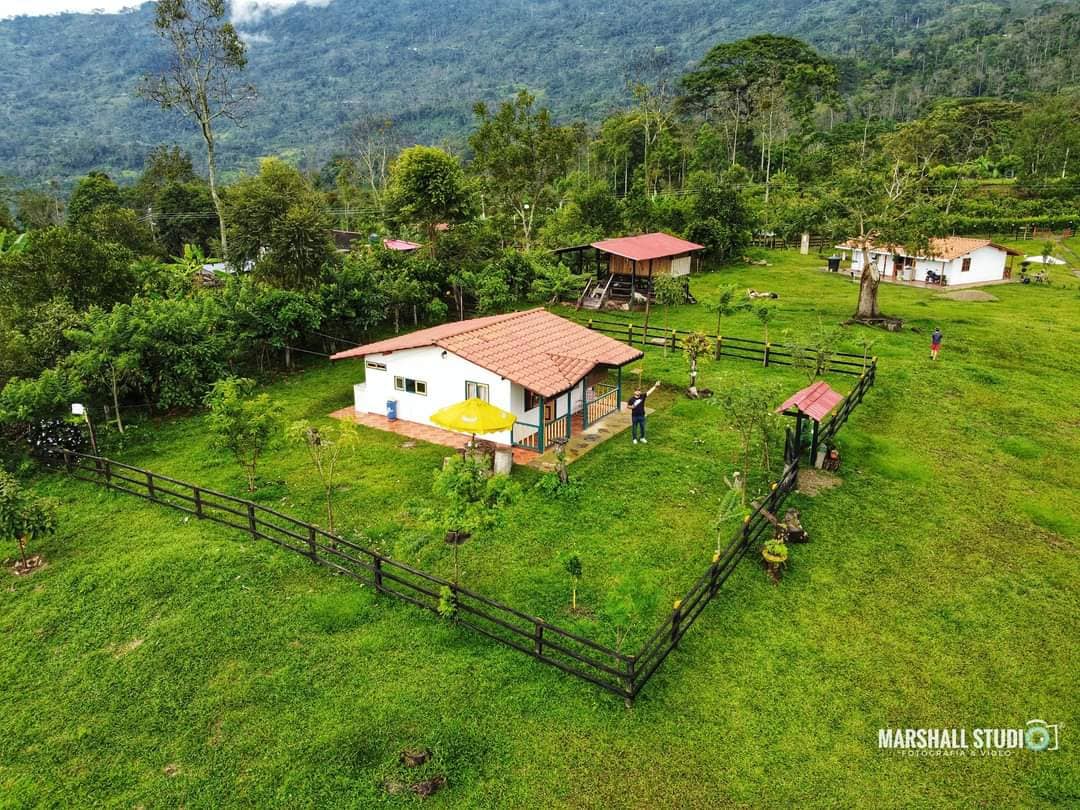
637, 413
935, 343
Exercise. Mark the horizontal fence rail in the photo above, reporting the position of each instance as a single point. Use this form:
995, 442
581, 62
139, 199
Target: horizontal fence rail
768, 354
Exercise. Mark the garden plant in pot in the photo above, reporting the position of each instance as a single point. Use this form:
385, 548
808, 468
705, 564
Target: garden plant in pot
775, 555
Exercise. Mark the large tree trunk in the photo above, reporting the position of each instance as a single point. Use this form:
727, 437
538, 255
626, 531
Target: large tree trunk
868, 289
211, 166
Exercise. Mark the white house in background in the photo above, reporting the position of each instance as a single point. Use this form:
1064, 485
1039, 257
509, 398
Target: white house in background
551, 373
950, 260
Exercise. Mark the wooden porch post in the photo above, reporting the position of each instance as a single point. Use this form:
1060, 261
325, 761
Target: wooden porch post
569, 410
618, 388
584, 404
540, 428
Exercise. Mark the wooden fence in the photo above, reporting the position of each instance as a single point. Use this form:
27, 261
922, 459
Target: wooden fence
617, 672
768, 354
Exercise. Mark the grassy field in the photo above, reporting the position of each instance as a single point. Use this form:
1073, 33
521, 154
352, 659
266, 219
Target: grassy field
159, 662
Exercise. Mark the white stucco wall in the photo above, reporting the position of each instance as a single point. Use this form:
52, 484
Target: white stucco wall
987, 264
445, 378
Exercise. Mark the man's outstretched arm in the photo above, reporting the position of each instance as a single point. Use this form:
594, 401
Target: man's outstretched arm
655, 386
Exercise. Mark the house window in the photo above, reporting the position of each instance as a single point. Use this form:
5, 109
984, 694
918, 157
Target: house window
966, 265
532, 400
475, 390
410, 386
377, 366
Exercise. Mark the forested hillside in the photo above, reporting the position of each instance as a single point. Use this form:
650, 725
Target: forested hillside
69, 103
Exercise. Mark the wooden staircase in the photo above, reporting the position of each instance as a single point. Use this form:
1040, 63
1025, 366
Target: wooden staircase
595, 294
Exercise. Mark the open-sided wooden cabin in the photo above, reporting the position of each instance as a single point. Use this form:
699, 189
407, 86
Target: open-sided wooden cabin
624, 268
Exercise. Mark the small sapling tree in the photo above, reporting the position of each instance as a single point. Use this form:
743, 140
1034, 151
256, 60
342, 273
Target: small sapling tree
573, 568
695, 346
244, 425
765, 315
324, 446
727, 304
472, 499
24, 517
669, 292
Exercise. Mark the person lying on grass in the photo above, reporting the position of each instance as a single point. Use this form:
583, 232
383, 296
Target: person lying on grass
637, 413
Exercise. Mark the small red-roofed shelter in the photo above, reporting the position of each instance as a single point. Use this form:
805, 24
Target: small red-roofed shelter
814, 402
624, 268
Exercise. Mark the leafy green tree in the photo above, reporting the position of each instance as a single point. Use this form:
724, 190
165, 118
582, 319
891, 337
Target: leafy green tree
241, 423
165, 166
202, 81
36, 209
23, 516
427, 189
721, 218
472, 499
120, 226
69, 264
106, 355
748, 410
554, 282
278, 222
91, 193
324, 447
520, 153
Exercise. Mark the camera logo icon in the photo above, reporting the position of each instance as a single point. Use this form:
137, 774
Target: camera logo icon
1041, 736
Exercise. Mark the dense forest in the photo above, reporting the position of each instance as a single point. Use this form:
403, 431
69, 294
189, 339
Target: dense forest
136, 294
73, 108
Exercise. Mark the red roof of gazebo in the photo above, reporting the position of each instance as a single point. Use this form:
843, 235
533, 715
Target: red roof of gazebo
815, 401
647, 246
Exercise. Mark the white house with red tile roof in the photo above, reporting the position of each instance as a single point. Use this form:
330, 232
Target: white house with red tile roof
950, 260
540, 367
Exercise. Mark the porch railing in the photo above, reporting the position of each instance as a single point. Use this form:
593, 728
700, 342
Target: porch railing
526, 435
605, 401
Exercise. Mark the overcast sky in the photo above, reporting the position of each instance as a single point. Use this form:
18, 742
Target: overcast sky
244, 11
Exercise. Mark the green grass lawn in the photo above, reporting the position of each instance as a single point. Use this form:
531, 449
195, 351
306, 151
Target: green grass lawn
157, 661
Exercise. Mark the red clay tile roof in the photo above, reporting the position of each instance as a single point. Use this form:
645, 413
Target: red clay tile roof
815, 401
647, 246
946, 248
400, 244
534, 348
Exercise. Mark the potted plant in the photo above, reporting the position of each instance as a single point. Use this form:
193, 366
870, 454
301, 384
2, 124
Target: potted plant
775, 555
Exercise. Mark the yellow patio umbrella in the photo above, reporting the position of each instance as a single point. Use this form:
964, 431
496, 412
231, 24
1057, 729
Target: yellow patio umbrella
473, 416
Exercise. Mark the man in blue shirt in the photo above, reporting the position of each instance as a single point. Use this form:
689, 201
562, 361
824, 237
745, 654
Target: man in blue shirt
637, 413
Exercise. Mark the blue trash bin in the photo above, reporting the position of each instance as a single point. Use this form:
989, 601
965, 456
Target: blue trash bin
391, 409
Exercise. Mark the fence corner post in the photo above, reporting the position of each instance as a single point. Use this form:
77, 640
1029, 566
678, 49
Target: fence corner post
628, 697
676, 618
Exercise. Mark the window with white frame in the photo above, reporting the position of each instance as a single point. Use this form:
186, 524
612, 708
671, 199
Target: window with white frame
475, 390
410, 386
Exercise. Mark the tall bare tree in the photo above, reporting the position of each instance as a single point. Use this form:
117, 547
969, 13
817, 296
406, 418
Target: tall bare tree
202, 80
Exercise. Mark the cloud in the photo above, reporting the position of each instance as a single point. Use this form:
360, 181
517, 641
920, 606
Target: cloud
255, 37
248, 12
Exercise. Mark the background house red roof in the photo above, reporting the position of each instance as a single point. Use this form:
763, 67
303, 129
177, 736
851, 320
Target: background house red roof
534, 348
647, 246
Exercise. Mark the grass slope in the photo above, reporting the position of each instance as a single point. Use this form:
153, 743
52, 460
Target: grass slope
158, 662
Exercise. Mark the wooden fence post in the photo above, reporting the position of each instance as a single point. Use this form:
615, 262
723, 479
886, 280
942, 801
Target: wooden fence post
714, 571
629, 699
312, 550
676, 617
766, 354
538, 638
719, 346
630, 334
150, 485
251, 520
377, 564
673, 339
107, 467
67, 460
197, 493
